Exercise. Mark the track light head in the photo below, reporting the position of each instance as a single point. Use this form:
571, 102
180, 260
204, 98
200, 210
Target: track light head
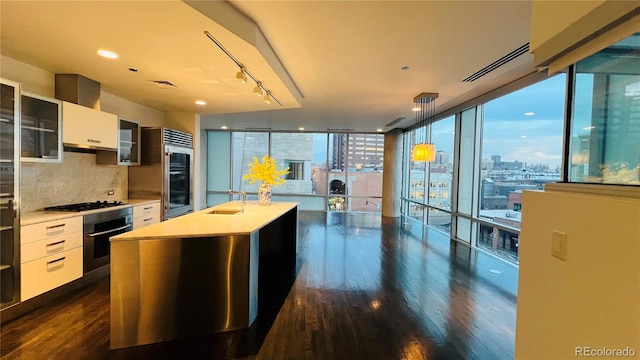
267, 98
240, 76
257, 90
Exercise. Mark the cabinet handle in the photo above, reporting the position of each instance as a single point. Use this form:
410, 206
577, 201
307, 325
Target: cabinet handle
94, 141
55, 261
55, 226
148, 208
56, 243
109, 231
149, 219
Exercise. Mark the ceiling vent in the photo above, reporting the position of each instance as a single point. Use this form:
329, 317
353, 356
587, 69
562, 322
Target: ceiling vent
396, 121
165, 84
496, 64
258, 128
341, 130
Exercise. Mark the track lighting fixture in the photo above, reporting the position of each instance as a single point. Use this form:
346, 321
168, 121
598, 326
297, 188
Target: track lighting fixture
241, 76
257, 90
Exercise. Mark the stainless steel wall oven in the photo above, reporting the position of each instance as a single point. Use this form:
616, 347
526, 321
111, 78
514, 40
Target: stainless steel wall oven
97, 229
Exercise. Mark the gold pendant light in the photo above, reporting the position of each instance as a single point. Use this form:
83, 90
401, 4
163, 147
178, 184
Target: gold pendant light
425, 105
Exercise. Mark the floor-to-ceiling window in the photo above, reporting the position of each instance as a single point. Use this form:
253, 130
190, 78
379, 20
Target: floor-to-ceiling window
521, 149
428, 186
245, 147
486, 155
605, 122
327, 171
440, 181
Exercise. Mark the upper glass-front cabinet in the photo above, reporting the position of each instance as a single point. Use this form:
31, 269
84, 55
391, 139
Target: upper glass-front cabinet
129, 143
128, 146
41, 139
9, 193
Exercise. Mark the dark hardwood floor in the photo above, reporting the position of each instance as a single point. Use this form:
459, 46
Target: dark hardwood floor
366, 288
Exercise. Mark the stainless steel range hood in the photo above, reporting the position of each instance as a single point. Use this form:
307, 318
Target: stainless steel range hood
78, 89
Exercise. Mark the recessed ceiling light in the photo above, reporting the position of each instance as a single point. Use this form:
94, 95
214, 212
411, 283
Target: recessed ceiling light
107, 54
200, 102
529, 113
415, 108
301, 128
379, 130
223, 127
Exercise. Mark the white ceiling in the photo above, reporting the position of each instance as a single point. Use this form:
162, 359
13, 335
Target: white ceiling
332, 64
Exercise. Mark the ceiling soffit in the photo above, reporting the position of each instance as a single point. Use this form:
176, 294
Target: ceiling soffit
257, 48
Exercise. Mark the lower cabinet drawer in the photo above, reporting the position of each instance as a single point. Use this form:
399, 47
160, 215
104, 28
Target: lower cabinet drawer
140, 222
50, 246
41, 275
35, 232
146, 210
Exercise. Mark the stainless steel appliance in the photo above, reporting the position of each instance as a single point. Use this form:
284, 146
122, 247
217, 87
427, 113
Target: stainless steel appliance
98, 227
166, 171
84, 206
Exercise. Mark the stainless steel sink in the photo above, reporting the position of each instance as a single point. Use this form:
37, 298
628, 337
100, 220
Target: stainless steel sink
225, 212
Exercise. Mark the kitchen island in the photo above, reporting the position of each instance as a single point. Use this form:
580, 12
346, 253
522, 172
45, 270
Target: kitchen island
199, 273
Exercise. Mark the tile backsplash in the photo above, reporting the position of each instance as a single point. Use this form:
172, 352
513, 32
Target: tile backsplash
77, 179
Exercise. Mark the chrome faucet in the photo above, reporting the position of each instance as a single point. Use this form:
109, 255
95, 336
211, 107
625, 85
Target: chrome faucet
244, 197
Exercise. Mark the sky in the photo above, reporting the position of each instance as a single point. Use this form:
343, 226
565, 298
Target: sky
526, 125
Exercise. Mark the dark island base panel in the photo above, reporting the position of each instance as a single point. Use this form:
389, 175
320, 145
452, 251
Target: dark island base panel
175, 288
240, 343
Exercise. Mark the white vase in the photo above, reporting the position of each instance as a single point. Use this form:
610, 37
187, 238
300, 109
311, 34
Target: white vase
264, 194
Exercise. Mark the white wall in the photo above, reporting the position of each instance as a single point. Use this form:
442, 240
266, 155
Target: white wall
593, 298
146, 116
32, 79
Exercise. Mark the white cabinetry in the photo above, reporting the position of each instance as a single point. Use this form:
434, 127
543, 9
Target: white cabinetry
88, 128
146, 214
51, 255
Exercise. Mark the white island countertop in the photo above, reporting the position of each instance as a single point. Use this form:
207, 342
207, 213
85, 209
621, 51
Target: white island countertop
204, 224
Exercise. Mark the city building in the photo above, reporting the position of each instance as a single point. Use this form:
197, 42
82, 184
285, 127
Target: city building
364, 151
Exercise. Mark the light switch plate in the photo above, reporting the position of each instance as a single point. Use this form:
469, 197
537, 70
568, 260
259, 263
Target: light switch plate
559, 245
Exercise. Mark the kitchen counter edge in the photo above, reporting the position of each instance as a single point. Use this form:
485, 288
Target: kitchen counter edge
39, 216
203, 224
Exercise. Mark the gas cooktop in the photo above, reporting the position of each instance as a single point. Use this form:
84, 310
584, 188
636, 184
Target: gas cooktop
85, 206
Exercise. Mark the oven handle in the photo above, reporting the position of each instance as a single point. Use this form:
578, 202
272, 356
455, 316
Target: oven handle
110, 231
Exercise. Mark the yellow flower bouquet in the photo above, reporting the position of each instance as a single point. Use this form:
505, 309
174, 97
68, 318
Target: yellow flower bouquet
265, 172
